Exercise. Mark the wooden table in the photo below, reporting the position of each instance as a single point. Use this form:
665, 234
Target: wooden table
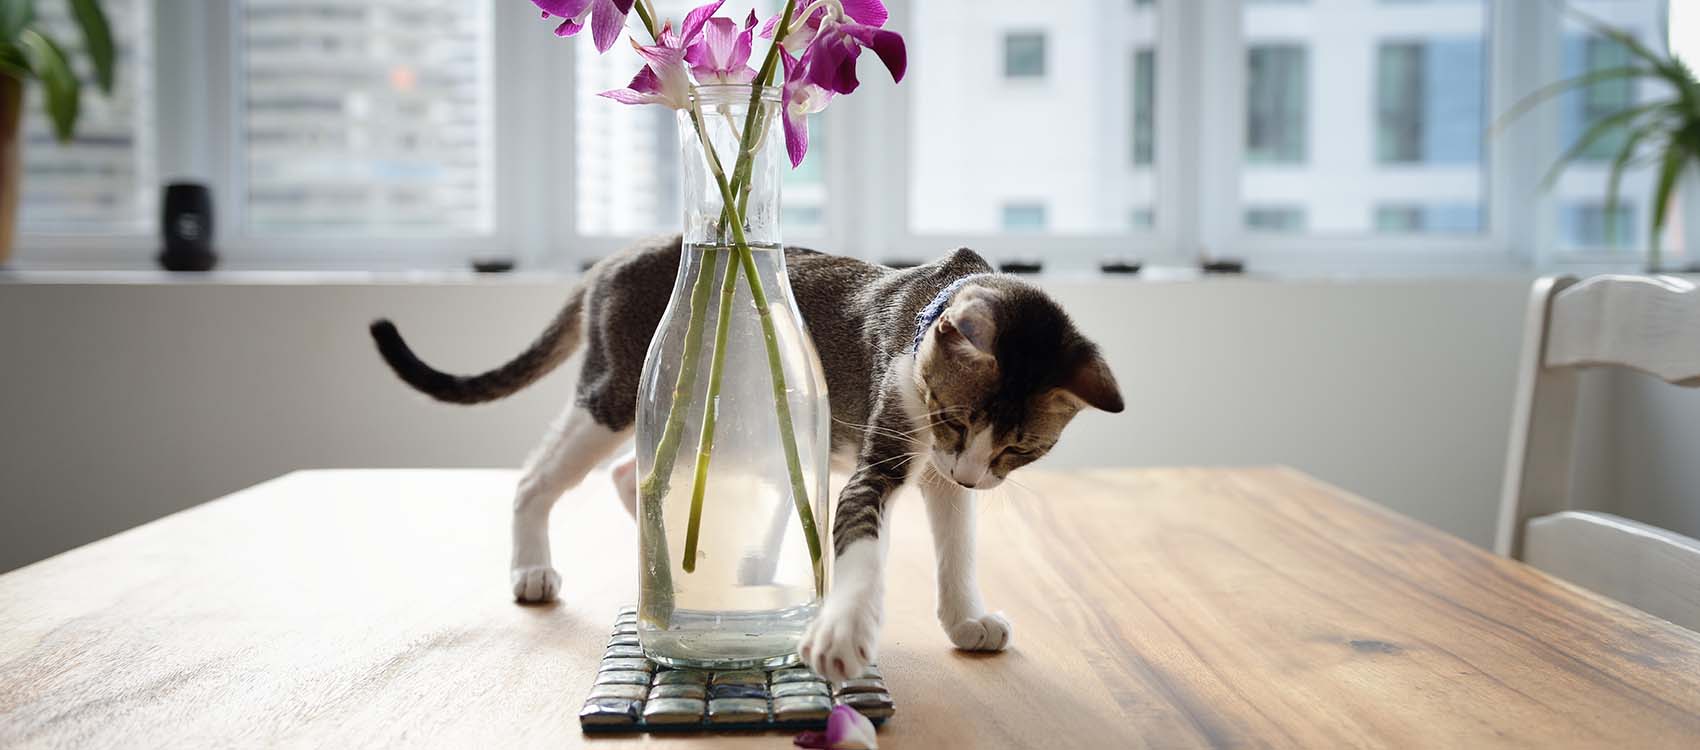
1163, 608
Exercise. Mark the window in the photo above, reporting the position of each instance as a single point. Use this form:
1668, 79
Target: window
1431, 102
103, 181
1024, 54
1275, 104
364, 118
1275, 219
1578, 196
1084, 145
1313, 135
1024, 217
1587, 226
1454, 218
1374, 132
1144, 103
1601, 100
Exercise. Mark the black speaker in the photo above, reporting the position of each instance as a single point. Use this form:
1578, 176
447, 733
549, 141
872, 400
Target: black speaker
186, 221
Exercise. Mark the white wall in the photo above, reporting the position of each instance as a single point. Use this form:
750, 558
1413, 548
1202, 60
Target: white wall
126, 401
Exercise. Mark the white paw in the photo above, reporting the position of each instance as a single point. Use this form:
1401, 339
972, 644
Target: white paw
842, 641
536, 583
757, 570
983, 633
624, 475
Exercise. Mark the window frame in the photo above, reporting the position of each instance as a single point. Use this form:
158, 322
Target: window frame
1198, 47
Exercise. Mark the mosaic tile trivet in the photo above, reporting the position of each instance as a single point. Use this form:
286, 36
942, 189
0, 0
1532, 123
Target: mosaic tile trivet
634, 694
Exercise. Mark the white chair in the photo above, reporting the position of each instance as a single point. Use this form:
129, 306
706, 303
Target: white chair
1643, 323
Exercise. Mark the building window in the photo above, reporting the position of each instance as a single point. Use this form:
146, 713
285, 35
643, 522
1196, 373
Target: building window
103, 181
1144, 106
1429, 102
1024, 217
1275, 104
1024, 54
1600, 100
1438, 218
1086, 147
1275, 219
1141, 218
367, 119
1584, 226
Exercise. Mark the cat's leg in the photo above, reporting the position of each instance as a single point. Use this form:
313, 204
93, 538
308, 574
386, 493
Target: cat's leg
950, 513
624, 476
844, 638
573, 446
758, 566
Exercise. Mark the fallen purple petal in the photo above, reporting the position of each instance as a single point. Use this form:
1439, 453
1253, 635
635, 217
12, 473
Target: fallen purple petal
846, 729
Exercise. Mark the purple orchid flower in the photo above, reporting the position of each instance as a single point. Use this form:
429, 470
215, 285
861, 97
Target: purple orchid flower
846, 729
607, 18
832, 36
832, 57
806, 25
799, 100
663, 79
722, 55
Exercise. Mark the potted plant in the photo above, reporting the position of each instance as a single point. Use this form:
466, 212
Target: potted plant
1663, 133
29, 51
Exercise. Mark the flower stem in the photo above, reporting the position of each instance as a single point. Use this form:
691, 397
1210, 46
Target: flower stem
711, 411
658, 607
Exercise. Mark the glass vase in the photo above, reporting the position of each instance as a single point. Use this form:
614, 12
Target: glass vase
732, 417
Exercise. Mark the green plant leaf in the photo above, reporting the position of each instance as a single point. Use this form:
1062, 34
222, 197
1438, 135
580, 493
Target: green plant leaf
1676, 157
1671, 70
14, 16
12, 62
1595, 132
58, 83
1558, 87
97, 40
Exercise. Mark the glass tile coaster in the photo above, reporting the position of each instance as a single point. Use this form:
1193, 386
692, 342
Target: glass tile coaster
630, 693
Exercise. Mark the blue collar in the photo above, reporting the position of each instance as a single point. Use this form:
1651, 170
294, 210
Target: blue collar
930, 314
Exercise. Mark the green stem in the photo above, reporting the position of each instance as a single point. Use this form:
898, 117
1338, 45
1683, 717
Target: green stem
711, 411
658, 606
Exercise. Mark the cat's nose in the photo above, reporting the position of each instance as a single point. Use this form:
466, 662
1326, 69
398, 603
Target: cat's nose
965, 475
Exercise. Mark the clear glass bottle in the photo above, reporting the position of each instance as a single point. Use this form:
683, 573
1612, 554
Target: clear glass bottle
738, 589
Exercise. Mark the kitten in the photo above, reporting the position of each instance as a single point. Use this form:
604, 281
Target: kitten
981, 370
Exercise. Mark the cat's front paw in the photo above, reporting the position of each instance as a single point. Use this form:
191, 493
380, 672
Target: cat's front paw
842, 641
536, 583
984, 633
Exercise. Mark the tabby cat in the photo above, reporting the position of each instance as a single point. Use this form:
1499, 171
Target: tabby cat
977, 371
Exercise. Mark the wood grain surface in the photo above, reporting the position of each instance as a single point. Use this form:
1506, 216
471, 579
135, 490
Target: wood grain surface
1152, 608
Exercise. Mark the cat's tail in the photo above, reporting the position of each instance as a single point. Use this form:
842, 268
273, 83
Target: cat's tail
546, 353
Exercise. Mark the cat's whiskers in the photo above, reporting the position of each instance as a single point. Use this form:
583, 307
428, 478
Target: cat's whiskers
906, 456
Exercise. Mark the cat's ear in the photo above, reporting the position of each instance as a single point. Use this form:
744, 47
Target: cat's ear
967, 327
1093, 385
